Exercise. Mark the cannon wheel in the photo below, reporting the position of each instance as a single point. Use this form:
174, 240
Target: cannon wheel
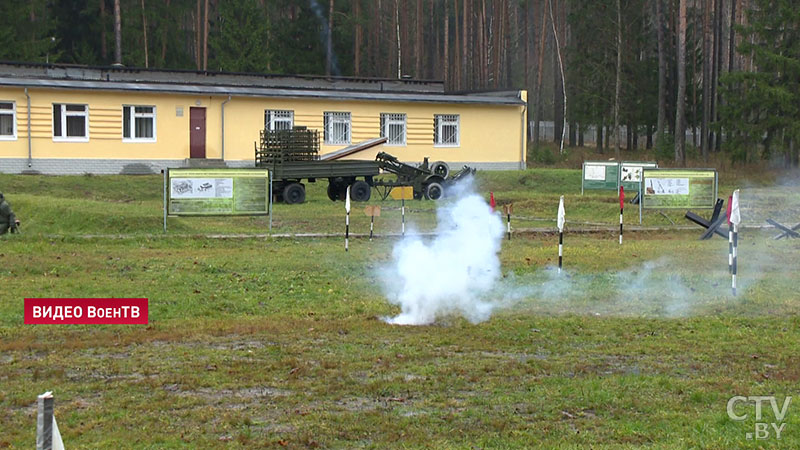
434, 191
440, 168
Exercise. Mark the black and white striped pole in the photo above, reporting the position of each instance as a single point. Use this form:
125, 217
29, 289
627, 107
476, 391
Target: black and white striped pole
561, 220
347, 219
730, 235
735, 220
621, 208
508, 209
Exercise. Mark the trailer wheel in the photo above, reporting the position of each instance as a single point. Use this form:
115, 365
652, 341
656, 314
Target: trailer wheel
360, 191
294, 193
440, 168
333, 192
434, 191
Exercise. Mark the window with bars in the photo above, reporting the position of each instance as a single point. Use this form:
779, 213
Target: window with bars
337, 128
278, 119
138, 123
70, 122
393, 128
445, 130
8, 120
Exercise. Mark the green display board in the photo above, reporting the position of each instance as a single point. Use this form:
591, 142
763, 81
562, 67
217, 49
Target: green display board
217, 192
678, 188
630, 173
600, 175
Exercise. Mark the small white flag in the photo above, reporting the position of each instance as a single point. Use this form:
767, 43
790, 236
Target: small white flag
561, 218
347, 200
735, 216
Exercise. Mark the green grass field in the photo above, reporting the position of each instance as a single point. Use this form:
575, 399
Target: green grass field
278, 342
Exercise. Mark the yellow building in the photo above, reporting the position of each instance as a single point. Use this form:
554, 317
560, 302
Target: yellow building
59, 119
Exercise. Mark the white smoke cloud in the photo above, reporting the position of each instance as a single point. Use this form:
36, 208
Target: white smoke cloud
452, 273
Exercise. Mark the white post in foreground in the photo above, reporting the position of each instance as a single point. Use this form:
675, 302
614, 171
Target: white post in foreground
347, 219
730, 235
403, 214
47, 435
561, 220
736, 218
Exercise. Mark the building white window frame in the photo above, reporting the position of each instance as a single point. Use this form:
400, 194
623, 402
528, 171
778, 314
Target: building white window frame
132, 116
440, 121
9, 112
389, 120
338, 128
278, 119
64, 114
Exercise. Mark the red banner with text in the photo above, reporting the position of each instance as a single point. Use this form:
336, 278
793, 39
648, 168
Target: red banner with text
86, 311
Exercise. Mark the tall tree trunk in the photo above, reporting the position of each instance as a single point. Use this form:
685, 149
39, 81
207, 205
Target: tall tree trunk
599, 136
164, 41
117, 33
732, 37
329, 49
399, 47
717, 69
197, 46
526, 55
418, 41
144, 32
662, 70
446, 58
560, 91
537, 97
205, 36
618, 79
103, 43
465, 45
680, 101
357, 43
704, 131
456, 80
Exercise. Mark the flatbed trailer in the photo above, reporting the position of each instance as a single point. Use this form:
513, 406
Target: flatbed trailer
293, 156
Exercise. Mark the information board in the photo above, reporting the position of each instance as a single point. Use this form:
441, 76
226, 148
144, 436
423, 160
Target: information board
600, 175
198, 192
679, 188
630, 173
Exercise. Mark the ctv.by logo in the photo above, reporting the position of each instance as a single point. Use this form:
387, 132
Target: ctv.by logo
762, 430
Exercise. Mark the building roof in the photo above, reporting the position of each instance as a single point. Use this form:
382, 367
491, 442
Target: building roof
60, 76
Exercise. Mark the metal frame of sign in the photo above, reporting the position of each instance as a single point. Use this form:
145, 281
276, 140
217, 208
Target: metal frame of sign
642, 196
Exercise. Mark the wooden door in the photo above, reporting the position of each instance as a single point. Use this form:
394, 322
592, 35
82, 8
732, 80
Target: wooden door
197, 132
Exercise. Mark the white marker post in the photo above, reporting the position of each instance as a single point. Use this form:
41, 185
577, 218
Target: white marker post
561, 220
47, 435
735, 220
403, 214
347, 219
508, 209
730, 235
621, 208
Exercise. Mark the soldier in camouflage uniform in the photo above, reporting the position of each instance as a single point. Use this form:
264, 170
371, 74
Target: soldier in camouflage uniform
7, 219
